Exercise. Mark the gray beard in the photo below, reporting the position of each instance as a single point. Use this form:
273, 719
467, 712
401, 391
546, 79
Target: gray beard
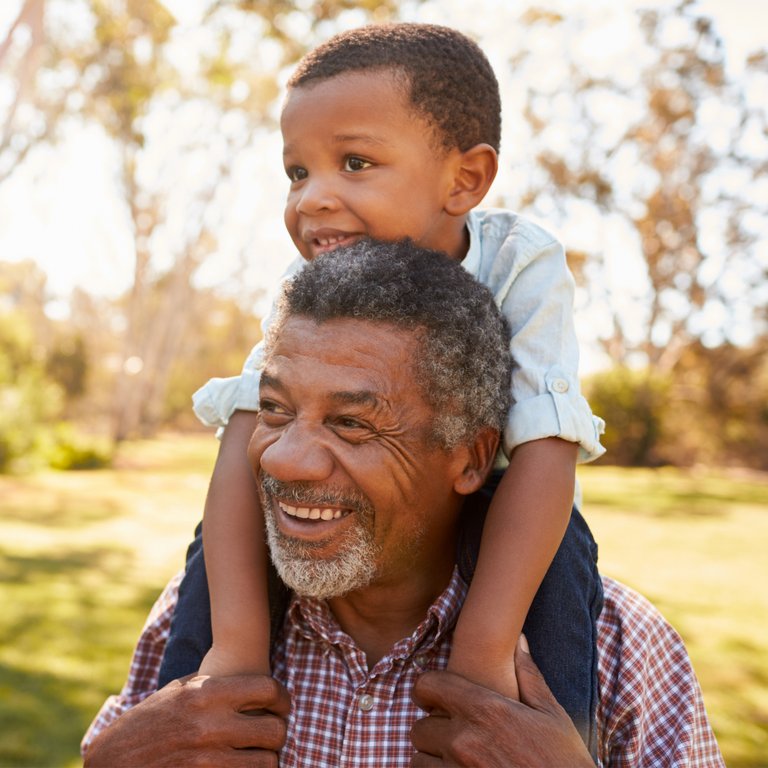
298, 565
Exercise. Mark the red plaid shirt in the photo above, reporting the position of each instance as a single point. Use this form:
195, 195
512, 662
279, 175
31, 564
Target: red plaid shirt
650, 712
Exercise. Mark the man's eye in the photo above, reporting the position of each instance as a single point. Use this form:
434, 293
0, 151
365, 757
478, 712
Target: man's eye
271, 408
350, 424
356, 164
296, 173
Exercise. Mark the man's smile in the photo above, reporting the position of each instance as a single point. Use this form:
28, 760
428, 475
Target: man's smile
313, 513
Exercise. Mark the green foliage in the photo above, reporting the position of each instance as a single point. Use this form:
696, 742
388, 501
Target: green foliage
633, 404
711, 409
34, 387
27, 398
67, 364
66, 449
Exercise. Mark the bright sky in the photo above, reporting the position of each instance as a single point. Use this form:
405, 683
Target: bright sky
61, 209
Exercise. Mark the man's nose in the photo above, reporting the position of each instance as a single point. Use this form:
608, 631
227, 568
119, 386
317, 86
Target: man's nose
298, 454
317, 195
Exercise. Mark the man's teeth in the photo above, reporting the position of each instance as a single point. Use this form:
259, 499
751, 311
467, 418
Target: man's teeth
311, 513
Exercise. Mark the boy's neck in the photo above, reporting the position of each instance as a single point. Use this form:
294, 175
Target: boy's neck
462, 242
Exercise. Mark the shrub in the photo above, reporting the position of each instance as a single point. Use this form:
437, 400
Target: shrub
634, 404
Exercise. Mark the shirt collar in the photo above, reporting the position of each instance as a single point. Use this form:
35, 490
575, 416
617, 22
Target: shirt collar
314, 619
471, 262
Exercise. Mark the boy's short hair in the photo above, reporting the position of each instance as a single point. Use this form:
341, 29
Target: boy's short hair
451, 83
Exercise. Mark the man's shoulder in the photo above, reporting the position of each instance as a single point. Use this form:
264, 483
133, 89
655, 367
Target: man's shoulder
627, 609
640, 653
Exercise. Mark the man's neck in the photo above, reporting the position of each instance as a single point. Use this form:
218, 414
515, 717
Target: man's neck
379, 616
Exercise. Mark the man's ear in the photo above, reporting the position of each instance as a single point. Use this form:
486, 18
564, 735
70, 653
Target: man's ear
475, 171
480, 455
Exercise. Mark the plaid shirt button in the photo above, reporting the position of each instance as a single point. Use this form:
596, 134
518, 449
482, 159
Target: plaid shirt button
365, 702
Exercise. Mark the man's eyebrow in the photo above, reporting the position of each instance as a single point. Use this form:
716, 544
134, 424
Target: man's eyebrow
357, 397
269, 380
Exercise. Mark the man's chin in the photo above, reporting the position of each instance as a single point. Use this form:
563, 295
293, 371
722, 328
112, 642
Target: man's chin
309, 574
322, 579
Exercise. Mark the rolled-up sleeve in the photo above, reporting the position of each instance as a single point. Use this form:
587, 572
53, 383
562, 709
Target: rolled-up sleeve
534, 289
216, 401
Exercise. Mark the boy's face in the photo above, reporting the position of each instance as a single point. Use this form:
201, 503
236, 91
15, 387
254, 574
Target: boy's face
362, 164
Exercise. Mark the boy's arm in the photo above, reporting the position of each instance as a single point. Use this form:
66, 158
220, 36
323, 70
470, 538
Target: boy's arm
525, 524
236, 559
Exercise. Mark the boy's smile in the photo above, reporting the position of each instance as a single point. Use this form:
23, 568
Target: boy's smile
362, 163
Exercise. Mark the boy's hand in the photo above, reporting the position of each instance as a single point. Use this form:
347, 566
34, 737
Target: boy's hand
486, 667
224, 662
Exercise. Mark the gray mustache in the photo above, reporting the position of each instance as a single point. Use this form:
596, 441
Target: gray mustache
303, 494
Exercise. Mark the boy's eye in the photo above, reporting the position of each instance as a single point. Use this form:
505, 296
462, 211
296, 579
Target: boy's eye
353, 163
296, 173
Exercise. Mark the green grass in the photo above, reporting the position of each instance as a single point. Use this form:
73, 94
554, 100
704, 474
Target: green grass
83, 555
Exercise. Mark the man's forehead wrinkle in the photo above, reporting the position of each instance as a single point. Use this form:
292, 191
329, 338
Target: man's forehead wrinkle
357, 397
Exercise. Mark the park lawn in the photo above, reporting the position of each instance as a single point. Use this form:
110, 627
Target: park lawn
83, 555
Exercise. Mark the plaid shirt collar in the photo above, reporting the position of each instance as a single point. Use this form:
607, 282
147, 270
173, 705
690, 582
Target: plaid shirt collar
314, 620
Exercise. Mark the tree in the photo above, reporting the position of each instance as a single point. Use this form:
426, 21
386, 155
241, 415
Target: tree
668, 152
120, 69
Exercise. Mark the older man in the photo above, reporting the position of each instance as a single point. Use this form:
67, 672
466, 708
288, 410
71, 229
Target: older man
383, 392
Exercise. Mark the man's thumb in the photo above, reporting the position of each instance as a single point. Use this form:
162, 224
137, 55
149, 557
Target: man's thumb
534, 691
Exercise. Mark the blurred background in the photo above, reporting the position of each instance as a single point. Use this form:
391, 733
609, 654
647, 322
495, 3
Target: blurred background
141, 195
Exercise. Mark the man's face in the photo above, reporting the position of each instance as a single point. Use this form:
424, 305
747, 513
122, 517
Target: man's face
361, 163
353, 489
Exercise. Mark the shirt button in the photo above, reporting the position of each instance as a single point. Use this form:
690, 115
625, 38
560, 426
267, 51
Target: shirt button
560, 385
421, 661
366, 702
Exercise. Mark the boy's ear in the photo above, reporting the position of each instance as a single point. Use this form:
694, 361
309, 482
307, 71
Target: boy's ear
475, 171
479, 457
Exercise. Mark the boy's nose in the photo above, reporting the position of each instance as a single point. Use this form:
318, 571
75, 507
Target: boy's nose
317, 195
297, 455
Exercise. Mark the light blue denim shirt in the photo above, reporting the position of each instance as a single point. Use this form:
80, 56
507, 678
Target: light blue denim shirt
525, 268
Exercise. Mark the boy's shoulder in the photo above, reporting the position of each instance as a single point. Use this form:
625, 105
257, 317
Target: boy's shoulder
503, 223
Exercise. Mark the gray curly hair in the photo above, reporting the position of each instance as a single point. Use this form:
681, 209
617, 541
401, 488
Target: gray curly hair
463, 362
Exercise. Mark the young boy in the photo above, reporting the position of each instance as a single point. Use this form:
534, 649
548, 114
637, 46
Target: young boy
390, 132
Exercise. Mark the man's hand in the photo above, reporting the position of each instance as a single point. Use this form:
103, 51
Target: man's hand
474, 726
198, 721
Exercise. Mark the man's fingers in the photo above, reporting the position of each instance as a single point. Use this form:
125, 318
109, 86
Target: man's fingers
265, 731
246, 692
534, 691
429, 733
442, 690
421, 760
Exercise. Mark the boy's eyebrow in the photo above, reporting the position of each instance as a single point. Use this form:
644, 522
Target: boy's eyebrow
368, 138
346, 138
